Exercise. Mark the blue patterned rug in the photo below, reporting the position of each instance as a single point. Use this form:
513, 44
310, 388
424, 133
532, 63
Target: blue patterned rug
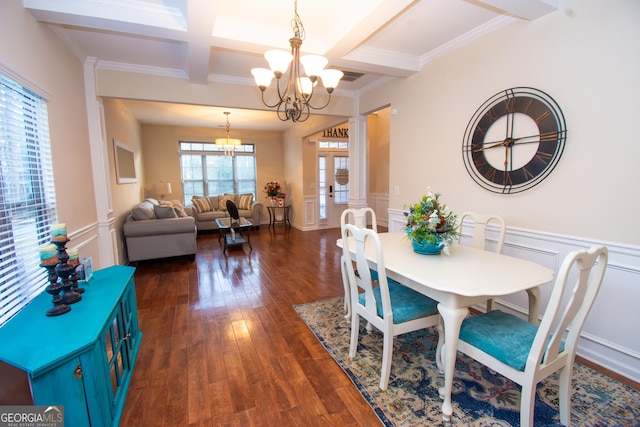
480, 396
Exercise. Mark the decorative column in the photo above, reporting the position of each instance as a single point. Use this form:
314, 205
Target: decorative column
358, 174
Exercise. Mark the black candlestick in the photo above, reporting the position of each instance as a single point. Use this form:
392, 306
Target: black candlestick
64, 270
53, 289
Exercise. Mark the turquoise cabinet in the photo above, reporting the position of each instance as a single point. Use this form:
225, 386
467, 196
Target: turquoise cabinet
82, 360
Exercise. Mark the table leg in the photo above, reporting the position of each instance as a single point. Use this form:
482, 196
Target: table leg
249, 239
224, 241
272, 218
452, 319
534, 304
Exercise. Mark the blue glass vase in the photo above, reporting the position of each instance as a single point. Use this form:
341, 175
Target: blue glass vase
425, 247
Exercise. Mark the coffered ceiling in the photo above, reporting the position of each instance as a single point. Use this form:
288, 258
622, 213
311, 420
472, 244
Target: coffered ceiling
221, 40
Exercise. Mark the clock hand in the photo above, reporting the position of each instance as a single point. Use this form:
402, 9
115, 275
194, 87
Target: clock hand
505, 143
544, 137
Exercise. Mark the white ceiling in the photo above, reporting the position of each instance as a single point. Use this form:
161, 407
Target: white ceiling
221, 40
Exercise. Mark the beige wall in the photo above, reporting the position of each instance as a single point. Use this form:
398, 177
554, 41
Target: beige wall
378, 151
585, 55
162, 163
123, 127
33, 53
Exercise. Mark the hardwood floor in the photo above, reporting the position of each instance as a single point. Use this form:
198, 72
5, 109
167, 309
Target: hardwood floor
222, 344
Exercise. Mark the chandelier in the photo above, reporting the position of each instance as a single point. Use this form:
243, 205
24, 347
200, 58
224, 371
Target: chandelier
294, 101
228, 144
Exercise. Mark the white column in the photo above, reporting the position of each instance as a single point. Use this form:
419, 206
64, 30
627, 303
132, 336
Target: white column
358, 176
100, 166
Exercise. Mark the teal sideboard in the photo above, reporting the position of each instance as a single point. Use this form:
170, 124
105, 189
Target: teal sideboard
82, 360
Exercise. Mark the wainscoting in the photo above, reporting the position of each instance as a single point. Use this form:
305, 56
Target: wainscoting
609, 337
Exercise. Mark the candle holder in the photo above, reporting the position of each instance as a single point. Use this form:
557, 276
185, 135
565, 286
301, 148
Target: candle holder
59, 307
64, 270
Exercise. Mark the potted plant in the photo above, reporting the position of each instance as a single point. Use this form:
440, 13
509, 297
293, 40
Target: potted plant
431, 227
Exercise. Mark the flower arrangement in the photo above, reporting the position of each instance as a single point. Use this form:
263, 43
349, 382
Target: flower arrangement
429, 220
273, 189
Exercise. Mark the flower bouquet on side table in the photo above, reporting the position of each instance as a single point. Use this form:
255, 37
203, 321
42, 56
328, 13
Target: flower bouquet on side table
431, 227
273, 190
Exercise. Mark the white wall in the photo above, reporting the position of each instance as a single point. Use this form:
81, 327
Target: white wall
585, 56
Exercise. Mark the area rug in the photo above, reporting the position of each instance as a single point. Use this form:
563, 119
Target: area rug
480, 397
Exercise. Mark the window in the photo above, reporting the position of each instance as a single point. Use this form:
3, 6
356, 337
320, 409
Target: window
27, 195
206, 171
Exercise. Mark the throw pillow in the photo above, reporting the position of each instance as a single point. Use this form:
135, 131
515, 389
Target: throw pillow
201, 204
164, 212
245, 201
177, 207
142, 211
222, 201
213, 201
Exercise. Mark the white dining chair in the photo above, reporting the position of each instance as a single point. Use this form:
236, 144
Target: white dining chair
360, 218
479, 234
528, 353
394, 310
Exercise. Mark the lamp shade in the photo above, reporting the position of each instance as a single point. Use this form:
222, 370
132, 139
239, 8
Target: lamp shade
228, 141
331, 78
278, 60
263, 77
313, 64
163, 188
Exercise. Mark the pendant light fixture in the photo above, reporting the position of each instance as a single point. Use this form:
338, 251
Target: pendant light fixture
294, 99
228, 144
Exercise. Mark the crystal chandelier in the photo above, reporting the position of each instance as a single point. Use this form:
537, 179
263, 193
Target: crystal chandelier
294, 101
228, 144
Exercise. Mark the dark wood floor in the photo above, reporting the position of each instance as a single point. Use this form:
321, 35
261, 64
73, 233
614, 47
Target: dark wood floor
222, 344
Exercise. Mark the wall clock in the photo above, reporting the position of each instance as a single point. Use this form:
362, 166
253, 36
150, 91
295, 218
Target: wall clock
514, 140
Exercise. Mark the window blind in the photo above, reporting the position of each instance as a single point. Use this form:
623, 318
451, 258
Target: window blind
27, 195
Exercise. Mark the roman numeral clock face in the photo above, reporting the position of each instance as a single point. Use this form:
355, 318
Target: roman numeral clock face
514, 140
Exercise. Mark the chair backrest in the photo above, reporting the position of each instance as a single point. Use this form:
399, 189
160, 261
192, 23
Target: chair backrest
363, 279
358, 217
574, 291
480, 222
233, 210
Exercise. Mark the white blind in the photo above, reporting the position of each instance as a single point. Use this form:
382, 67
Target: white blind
27, 195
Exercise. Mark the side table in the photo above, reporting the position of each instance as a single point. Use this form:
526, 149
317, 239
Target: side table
273, 215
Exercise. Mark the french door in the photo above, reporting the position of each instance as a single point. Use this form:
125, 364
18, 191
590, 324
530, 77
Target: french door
333, 186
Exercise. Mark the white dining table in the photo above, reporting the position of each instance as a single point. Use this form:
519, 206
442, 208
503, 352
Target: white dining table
457, 281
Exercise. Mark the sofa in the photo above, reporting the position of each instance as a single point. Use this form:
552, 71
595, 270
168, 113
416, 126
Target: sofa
205, 210
159, 230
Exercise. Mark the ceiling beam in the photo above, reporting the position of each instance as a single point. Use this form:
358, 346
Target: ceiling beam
526, 9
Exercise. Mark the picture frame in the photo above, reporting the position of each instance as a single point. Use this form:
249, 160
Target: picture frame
87, 269
125, 163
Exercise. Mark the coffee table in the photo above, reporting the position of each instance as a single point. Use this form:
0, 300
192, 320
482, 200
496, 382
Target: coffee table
234, 232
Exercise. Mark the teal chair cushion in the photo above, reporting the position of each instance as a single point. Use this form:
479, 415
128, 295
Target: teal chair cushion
406, 304
504, 336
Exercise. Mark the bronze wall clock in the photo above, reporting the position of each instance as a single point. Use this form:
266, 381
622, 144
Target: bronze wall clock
514, 140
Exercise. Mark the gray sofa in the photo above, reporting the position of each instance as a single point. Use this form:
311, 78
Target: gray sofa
159, 230
205, 210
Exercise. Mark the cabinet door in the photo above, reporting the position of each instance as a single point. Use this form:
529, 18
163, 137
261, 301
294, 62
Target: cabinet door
115, 339
63, 386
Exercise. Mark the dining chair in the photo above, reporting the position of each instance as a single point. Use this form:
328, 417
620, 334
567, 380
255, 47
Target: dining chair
479, 234
360, 218
394, 310
528, 353
233, 210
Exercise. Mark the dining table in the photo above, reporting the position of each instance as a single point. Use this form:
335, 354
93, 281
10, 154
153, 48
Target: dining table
457, 281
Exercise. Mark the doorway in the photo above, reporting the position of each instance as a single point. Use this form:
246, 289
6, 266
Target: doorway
333, 184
